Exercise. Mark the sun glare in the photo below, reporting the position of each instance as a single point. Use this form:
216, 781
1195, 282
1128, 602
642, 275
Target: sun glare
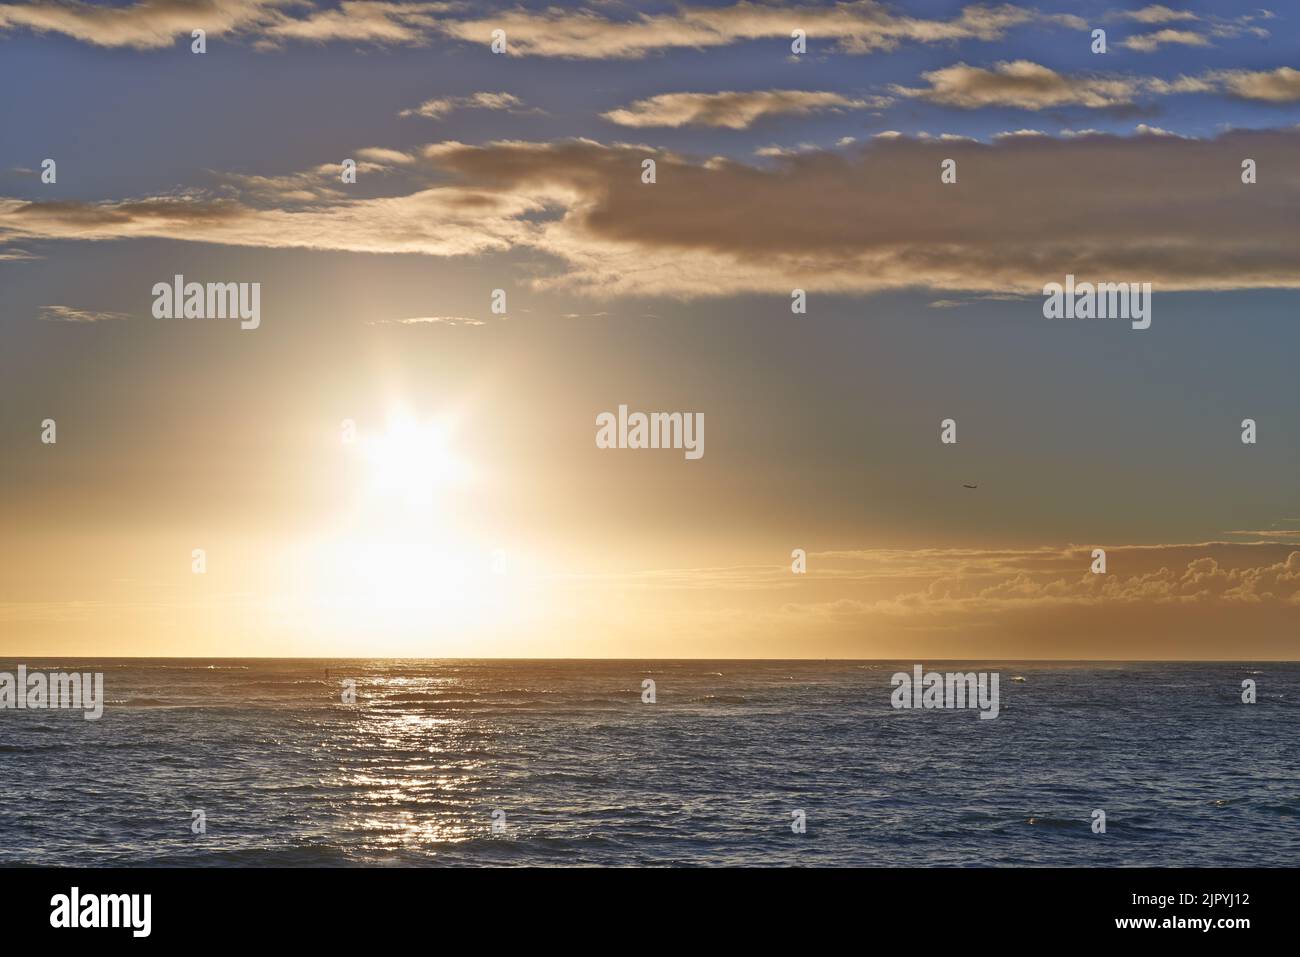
412, 462
399, 565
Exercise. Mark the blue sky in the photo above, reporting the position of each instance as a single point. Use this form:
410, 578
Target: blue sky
127, 121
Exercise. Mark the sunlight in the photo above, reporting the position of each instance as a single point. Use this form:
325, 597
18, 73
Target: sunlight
412, 598
400, 566
411, 462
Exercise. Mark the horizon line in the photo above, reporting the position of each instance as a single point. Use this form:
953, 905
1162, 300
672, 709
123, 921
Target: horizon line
1132, 661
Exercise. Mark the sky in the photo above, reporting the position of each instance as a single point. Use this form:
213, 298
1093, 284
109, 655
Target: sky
386, 465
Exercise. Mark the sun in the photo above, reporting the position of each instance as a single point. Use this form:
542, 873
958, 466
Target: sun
399, 566
412, 464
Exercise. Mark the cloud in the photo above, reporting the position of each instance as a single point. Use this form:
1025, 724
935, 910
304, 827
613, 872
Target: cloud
973, 588
1031, 86
1281, 85
1020, 83
774, 150
429, 320
1201, 580
864, 26
859, 26
69, 314
1273, 86
1142, 129
447, 221
385, 157
440, 107
1226, 28
1169, 600
148, 24
370, 21
153, 24
733, 110
864, 219
1156, 13
320, 184
1147, 42
970, 300
308, 186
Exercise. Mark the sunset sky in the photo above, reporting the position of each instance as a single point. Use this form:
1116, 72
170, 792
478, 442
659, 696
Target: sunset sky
474, 514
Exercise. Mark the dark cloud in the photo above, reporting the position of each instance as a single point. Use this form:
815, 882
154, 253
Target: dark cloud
1025, 210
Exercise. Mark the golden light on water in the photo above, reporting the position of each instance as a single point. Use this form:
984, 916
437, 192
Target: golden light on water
422, 777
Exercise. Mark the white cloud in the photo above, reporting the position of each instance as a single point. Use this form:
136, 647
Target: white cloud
1020, 83
734, 110
440, 107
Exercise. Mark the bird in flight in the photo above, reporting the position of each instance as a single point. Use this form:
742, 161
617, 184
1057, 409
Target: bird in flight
964, 485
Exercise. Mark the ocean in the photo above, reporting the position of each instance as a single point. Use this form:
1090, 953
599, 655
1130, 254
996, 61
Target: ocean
573, 768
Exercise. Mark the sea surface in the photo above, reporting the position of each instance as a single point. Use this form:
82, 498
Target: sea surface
582, 772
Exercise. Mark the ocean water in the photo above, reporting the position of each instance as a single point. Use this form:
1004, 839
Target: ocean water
709, 774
